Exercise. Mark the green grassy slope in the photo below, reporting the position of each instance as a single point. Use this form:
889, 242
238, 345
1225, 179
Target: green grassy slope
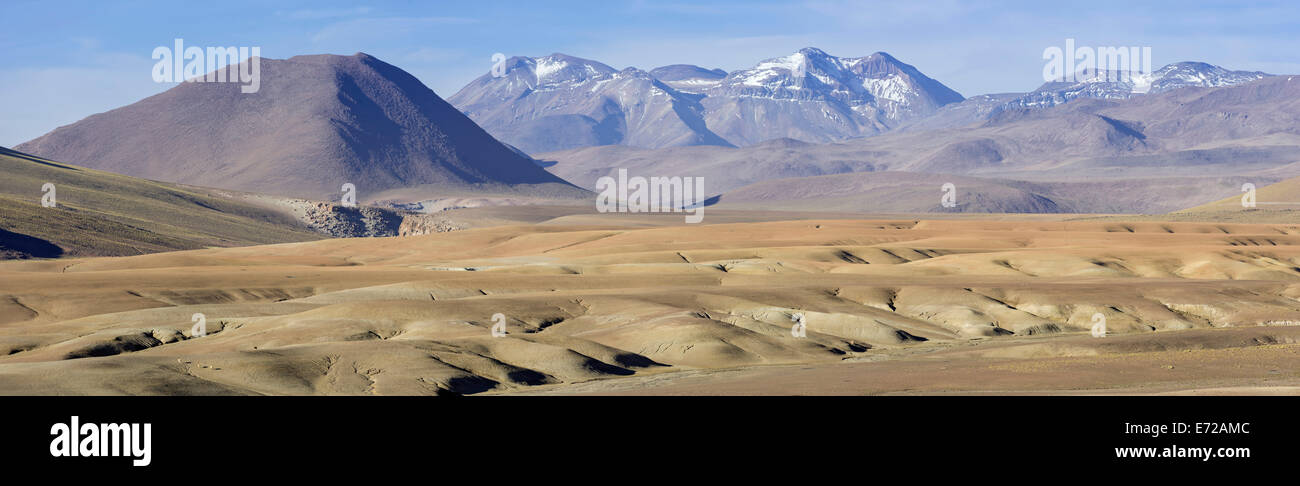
101, 214
1274, 203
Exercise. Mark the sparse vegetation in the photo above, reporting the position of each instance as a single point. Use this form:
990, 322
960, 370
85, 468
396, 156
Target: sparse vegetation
100, 213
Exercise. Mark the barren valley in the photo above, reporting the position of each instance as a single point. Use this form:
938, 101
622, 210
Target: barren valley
616, 304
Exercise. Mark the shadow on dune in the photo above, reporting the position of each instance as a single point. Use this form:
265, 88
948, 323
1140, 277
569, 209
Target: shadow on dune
26, 246
466, 385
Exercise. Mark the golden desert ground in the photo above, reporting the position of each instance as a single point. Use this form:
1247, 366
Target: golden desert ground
607, 304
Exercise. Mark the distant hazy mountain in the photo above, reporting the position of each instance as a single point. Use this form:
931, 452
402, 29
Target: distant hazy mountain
1106, 85
688, 78
911, 192
1115, 85
972, 110
318, 122
560, 102
1251, 130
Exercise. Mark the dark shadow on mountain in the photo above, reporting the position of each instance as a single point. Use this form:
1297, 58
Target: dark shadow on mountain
27, 157
707, 202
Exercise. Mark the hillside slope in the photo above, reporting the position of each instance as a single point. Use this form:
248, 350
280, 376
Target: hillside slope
101, 213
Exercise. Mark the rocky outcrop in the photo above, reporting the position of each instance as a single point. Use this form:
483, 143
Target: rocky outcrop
365, 221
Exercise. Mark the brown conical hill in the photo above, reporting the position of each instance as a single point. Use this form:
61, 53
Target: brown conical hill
316, 123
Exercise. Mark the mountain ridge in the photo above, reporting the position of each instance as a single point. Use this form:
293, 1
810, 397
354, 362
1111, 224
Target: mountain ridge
1105, 85
531, 107
1219, 134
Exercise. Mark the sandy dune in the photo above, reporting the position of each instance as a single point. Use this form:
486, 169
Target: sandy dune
891, 306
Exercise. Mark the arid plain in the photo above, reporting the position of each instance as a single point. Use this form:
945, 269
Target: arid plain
627, 304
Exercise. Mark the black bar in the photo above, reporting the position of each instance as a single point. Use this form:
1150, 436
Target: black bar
819, 433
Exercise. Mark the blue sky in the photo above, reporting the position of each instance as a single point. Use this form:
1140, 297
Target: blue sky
63, 61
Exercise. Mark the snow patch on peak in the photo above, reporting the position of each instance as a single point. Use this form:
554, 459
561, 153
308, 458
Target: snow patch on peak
1142, 83
789, 63
893, 88
547, 66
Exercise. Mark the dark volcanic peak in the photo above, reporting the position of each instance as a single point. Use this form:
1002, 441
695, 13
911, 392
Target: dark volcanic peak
318, 121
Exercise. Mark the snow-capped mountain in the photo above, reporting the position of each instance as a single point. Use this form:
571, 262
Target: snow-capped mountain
1106, 85
816, 97
559, 102
1185, 74
1125, 85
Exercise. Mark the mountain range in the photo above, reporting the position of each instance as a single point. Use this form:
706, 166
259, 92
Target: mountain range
559, 102
1148, 149
324, 120
1109, 85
